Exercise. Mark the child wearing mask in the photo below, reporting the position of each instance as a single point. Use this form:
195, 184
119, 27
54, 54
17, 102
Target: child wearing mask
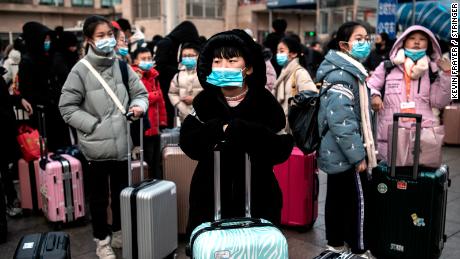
236, 113
101, 127
143, 66
185, 84
410, 86
347, 150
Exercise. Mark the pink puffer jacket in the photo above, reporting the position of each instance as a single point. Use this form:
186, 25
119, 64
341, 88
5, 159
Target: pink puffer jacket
426, 97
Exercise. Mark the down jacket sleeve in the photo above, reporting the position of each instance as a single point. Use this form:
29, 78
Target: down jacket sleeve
440, 91
72, 96
197, 138
377, 80
139, 96
174, 95
343, 124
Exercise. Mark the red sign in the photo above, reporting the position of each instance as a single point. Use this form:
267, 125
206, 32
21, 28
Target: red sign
401, 185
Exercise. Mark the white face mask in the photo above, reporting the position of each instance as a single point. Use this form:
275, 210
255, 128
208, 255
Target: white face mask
106, 45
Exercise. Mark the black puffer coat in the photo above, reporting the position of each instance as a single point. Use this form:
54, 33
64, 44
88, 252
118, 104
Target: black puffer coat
252, 128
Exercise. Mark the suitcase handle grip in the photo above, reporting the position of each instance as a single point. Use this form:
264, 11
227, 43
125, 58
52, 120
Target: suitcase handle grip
394, 141
250, 221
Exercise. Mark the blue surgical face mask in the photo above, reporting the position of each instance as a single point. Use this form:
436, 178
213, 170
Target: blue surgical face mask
189, 62
47, 45
360, 50
123, 51
146, 65
224, 77
415, 54
106, 45
281, 59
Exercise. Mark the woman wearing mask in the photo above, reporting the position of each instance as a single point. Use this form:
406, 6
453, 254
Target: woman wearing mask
347, 151
294, 77
236, 113
143, 66
122, 43
410, 86
185, 84
101, 126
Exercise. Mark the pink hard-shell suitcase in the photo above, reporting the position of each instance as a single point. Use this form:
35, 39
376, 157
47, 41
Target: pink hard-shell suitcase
29, 184
299, 183
62, 189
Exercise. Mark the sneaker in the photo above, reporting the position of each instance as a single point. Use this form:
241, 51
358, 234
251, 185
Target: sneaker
103, 249
117, 240
337, 249
367, 255
13, 211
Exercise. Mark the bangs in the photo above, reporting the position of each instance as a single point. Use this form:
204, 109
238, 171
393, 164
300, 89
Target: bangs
227, 52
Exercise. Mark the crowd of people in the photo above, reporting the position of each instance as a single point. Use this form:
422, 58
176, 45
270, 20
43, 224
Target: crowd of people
228, 92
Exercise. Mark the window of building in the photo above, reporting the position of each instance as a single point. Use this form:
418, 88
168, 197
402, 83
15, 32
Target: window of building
205, 8
83, 3
110, 3
52, 2
148, 8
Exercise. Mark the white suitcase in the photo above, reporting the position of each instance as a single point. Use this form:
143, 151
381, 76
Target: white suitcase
148, 216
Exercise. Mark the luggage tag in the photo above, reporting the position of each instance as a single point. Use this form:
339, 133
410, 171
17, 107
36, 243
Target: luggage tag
408, 107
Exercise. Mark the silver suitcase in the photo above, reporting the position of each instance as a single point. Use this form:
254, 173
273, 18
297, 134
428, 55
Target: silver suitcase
148, 216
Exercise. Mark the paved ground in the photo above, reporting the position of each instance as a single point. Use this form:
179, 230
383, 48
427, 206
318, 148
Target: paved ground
301, 245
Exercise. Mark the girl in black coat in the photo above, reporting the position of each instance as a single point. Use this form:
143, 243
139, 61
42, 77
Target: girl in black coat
236, 113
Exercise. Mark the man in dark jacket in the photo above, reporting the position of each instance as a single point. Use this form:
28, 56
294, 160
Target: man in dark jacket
38, 82
166, 58
272, 40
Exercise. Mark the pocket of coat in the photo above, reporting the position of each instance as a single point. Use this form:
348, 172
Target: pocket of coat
393, 87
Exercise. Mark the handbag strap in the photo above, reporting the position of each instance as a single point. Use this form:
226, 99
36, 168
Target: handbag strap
105, 85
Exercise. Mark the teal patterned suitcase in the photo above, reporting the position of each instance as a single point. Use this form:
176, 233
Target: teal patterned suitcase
242, 238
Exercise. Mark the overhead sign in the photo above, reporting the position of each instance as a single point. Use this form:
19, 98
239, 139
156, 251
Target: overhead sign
289, 3
386, 17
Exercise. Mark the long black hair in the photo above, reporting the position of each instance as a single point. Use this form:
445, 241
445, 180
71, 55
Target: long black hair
293, 44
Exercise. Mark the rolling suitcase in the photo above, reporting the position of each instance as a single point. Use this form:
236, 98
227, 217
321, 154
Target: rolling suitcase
237, 237
409, 205
148, 215
61, 183
179, 168
51, 245
299, 183
169, 136
29, 185
451, 120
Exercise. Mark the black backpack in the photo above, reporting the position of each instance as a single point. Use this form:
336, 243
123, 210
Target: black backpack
388, 65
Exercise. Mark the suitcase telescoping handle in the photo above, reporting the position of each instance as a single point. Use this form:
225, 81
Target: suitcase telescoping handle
394, 141
42, 136
217, 200
129, 120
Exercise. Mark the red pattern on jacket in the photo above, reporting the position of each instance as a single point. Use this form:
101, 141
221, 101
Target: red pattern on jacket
157, 111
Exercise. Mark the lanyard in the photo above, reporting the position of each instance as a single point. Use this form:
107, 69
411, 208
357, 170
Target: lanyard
408, 80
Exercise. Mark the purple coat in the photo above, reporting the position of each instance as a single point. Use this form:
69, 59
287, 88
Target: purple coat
435, 96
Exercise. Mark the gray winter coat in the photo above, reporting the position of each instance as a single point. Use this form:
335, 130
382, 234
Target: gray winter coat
86, 106
342, 146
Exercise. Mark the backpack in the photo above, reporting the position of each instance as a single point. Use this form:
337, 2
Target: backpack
388, 65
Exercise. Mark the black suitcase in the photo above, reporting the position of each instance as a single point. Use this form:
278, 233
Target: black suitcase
51, 245
408, 206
